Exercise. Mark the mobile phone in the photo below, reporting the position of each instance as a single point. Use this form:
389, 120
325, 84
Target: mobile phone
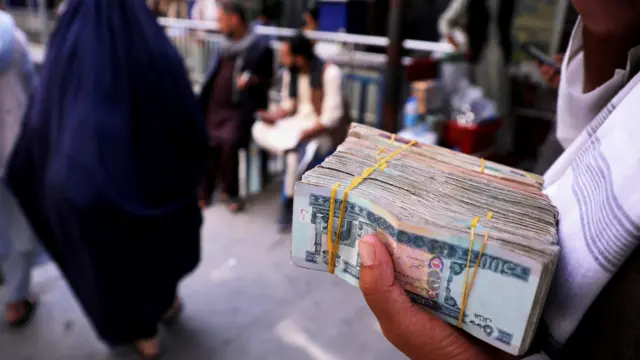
540, 55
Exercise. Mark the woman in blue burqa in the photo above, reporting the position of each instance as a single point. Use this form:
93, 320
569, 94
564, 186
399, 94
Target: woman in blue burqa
107, 166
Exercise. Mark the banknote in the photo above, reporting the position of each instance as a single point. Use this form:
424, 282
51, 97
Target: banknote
426, 202
429, 265
439, 153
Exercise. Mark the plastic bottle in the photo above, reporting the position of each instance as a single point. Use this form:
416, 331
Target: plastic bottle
411, 116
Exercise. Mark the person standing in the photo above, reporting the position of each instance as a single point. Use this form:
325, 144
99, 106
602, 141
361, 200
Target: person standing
107, 167
591, 311
17, 81
487, 42
236, 86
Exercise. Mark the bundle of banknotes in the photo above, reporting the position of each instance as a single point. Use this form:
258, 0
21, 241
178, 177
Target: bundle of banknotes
425, 202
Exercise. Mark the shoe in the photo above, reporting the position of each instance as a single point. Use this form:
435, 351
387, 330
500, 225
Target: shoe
148, 349
285, 220
28, 308
203, 204
235, 205
173, 314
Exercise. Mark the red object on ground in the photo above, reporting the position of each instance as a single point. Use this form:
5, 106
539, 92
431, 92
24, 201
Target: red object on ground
472, 138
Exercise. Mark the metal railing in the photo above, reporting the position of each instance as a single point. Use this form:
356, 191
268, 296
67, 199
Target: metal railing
36, 22
343, 38
196, 41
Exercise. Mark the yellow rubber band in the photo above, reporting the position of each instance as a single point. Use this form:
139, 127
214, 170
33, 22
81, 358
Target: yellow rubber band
474, 223
475, 269
381, 151
393, 139
333, 251
332, 209
468, 284
482, 166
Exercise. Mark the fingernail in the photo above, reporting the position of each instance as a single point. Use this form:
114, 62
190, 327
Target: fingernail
367, 251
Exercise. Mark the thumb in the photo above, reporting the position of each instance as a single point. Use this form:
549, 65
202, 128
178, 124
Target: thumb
385, 297
417, 333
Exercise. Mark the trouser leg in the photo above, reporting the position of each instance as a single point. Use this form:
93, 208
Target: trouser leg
229, 164
290, 173
264, 168
290, 178
17, 273
210, 176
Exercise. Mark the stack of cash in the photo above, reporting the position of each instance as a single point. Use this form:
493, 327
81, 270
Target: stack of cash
427, 201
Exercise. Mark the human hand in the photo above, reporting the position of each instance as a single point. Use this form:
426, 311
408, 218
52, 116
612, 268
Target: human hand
242, 82
551, 76
451, 40
246, 80
418, 334
267, 117
306, 134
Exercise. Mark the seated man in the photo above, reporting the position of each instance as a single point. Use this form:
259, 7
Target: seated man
311, 120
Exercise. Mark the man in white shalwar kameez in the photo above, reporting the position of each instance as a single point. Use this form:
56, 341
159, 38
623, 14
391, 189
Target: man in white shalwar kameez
311, 119
17, 242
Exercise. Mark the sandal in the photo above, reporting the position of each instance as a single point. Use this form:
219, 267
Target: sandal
148, 349
173, 314
29, 307
235, 206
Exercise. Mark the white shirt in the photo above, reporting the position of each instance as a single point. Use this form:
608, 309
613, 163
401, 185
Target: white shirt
285, 134
327, 50
594, 186
331, 106
577, 109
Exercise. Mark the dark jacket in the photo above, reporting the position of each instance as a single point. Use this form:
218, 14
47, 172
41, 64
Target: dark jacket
258, 60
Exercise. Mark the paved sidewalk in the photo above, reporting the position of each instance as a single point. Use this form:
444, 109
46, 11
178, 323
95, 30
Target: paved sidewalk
245, 301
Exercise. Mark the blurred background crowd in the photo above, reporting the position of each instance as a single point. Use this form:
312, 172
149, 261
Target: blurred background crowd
476, 76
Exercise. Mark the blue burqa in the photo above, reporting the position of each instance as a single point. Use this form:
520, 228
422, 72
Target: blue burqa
108, 163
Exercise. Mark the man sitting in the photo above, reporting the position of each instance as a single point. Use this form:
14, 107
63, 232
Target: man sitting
311, 120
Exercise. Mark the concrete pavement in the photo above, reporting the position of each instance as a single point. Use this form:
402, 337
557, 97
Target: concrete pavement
245, 301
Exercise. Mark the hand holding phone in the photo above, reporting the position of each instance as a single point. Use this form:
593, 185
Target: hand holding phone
536, 53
